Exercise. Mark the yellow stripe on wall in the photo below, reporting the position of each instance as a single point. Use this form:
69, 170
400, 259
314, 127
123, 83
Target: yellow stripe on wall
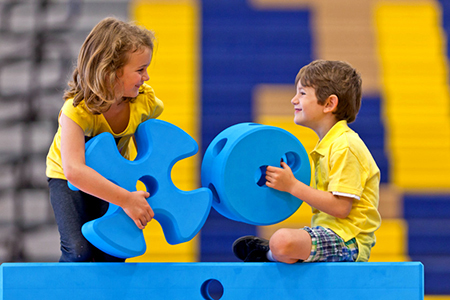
416, 94
174, 76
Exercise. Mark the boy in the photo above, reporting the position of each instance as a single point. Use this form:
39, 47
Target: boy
344, 196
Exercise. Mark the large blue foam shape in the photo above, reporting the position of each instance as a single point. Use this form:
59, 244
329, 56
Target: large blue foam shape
234, 166
181, 213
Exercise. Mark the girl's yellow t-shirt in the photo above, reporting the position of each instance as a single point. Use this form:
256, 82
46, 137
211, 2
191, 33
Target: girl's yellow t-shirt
146, 106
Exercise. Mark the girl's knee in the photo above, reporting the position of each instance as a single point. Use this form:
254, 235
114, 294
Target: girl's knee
77, 253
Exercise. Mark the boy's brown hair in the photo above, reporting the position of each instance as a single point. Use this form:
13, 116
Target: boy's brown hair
334, 78
104, 52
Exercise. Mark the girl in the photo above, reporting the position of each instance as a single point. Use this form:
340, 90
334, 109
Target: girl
107, 94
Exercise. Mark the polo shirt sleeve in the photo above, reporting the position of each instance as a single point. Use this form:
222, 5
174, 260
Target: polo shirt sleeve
347, 176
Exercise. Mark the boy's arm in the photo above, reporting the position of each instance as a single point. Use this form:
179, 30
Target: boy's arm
90, 181
283, 179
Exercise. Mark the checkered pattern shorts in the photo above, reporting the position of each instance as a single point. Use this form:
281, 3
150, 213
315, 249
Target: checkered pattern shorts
327, 246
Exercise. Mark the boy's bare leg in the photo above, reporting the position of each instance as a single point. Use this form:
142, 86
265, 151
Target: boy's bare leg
290, 245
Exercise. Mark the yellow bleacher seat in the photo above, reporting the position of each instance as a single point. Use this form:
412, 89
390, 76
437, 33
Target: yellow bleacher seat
412, 57
174, 77
391, 242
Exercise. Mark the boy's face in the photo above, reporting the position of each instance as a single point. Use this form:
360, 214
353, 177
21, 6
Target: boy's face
308, 112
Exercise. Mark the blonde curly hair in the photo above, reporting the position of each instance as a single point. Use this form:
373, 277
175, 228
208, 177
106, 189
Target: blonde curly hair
104, 52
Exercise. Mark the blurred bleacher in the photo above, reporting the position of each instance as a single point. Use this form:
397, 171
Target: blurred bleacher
39, 44
241, 48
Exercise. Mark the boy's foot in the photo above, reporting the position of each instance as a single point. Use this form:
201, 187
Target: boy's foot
251, 249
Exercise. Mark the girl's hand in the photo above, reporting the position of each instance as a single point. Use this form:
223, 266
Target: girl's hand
138, 209
89, 181
281, 179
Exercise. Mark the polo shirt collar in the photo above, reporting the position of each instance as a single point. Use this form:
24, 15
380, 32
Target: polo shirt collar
337, 130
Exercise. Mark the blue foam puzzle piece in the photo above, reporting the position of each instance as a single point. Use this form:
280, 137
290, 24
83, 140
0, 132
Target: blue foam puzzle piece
181, 213
325, 281
234, 165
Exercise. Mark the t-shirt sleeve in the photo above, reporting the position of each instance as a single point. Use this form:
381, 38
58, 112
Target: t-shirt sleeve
347, 175
157, 109
79, 115
153, 105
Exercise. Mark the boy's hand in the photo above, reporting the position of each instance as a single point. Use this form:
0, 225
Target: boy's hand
281, 179
138, 209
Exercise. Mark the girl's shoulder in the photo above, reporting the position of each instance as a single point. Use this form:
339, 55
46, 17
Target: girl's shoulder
148, 101
80, 115
146, 90
146, 96
80, 110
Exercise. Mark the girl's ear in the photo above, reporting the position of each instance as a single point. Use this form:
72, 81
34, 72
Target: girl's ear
331, 104
119, 72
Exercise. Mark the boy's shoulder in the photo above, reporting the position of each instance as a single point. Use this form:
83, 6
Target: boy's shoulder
340, 135
350, 139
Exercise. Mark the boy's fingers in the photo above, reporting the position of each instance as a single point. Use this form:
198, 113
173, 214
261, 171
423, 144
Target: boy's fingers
139, 224
270, 169
284, 165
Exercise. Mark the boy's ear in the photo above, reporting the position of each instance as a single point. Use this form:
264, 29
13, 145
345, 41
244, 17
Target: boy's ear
331, 104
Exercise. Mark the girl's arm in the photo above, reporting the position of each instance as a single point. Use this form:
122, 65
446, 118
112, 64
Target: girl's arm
90, 181
283, 179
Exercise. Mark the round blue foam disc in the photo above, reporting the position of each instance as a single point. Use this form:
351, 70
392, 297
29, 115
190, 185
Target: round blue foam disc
234, 166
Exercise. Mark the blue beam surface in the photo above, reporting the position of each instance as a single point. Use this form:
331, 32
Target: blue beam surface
190, 281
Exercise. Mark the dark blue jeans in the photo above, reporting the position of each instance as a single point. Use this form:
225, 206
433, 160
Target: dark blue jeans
72, 209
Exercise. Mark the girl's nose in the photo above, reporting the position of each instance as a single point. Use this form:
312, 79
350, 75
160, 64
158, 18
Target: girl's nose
145, 77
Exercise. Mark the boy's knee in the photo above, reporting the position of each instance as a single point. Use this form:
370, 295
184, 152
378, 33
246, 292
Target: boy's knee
290, 245
281, 242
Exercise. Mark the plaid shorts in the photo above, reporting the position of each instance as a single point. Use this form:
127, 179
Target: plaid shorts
327, 246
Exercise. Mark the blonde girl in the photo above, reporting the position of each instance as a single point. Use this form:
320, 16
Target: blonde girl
107, 93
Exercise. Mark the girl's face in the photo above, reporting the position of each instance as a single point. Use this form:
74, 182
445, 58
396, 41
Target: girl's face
308, 112
134, 72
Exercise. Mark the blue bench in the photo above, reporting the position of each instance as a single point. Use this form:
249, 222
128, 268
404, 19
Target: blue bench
192, 281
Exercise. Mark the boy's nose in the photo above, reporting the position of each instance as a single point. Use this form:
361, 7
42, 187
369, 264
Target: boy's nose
294, 100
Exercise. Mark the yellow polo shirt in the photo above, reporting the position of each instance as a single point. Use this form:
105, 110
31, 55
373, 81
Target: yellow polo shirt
145, 106
343, 165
